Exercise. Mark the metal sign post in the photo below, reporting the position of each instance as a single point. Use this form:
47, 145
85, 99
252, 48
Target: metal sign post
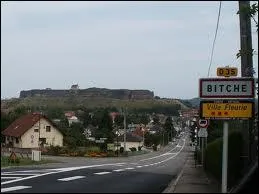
202, 151
225, 158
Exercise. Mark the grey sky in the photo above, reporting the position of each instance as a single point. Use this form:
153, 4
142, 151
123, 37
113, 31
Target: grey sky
161, 46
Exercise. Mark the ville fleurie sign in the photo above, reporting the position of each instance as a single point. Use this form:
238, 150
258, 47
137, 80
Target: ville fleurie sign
226, 109
227, 88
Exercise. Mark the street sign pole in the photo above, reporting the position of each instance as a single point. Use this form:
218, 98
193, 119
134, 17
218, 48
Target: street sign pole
202, 151
225, 158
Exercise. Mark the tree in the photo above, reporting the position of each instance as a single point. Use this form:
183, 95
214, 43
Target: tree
169, 127
105, 127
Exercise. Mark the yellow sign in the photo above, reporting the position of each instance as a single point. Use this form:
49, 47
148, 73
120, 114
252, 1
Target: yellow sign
227, 71
226, 110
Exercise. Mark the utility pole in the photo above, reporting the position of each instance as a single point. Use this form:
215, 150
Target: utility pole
245, 40
246, 54
125, 130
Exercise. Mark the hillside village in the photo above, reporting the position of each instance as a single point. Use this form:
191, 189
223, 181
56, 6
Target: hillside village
42, 122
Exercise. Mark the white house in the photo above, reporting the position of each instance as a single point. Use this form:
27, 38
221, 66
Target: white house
31, 131
131, 141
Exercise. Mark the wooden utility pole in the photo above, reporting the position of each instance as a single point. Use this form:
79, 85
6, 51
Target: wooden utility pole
245, 40
246, 54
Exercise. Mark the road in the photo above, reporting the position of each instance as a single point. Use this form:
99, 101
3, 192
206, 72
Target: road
150, 173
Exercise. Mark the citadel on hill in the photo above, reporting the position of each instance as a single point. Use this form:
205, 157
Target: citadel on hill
90, 93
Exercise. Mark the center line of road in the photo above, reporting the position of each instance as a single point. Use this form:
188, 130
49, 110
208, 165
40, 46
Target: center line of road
101, 173
119, 170
71, 178
129, 168
14, 188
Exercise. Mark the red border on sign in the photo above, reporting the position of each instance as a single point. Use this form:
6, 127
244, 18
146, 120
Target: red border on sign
227, 79
206, 126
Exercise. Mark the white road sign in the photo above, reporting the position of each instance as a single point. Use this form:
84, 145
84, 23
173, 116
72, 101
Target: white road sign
227, 88
202, 132
203, 123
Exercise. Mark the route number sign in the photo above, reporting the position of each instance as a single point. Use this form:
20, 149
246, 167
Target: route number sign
227, 71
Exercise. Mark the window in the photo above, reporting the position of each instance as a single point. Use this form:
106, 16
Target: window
17, 140
36, 130
47, 128
42, 141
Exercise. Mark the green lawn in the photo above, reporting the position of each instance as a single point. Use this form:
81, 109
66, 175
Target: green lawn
24, 161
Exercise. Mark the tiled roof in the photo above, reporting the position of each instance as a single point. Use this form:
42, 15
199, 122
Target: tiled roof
22, 124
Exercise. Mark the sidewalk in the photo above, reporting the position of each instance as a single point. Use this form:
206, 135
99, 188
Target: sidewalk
193, 180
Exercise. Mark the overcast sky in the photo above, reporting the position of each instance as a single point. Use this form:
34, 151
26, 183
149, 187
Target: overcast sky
160, 46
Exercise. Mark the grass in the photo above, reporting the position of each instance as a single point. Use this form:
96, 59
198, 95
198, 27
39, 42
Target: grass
24, 162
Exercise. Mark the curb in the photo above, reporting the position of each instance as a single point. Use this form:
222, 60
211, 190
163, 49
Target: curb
172, 185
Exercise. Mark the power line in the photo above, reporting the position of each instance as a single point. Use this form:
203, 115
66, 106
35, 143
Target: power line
213, 45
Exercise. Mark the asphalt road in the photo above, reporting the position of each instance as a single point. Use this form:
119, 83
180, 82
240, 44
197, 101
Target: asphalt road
150, 173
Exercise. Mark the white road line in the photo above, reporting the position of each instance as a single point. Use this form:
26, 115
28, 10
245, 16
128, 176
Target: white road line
19, 174
24, 171
10, 177
139, 166
71, 178
119, 170
129, 168
146, 165
101, 173
14, 188
60, 171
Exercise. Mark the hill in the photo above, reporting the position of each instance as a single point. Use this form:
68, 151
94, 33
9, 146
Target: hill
76, 103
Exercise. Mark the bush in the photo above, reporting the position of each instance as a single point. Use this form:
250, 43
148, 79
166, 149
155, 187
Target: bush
93, 149
54, 150
116, 152
133, 149
121, 149
12, 160
139, 148
154, 147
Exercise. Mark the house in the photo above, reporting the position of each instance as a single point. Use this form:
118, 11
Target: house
131, 141
71, 117
32, 130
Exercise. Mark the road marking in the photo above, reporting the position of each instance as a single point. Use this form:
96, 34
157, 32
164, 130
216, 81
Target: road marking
43, 170
101, 173
14, 188
129, 168
146, 165
167, 153
10, 177
119, 170
139, 166
19, 174
71, 178
60, 171
162, 154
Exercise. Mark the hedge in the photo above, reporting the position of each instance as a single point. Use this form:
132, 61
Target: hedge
213, 158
